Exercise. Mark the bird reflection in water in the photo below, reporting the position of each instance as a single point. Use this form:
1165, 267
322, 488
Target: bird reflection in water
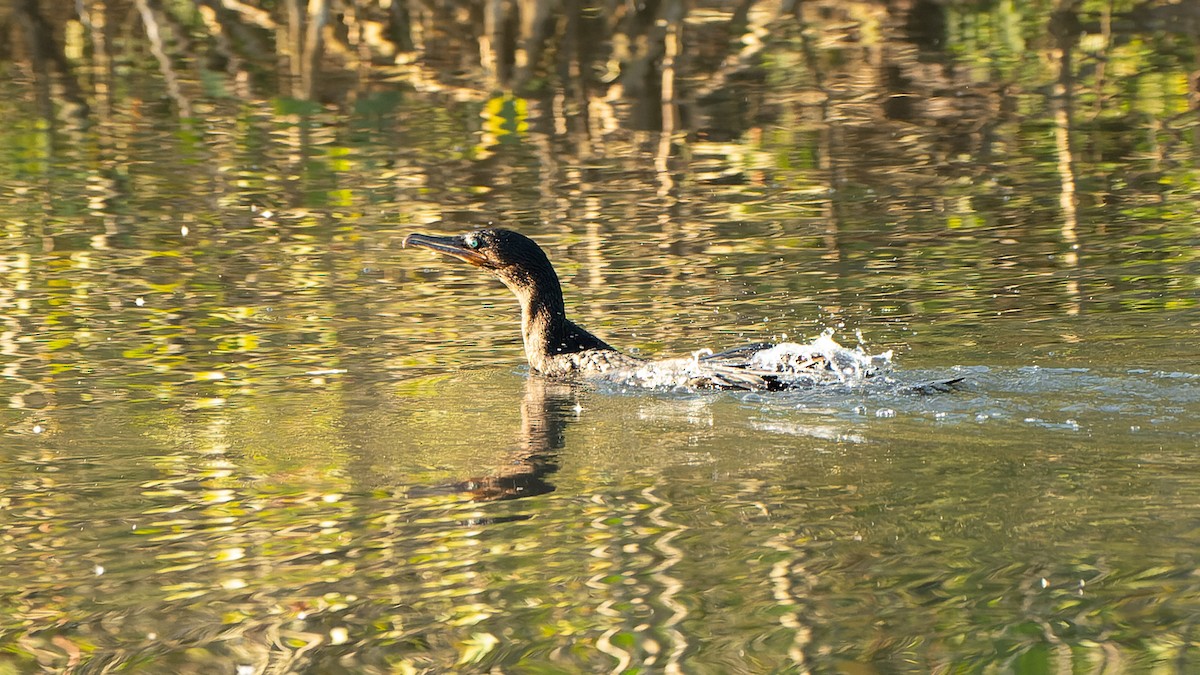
545, 410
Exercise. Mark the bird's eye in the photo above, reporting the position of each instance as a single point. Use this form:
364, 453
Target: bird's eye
472, 241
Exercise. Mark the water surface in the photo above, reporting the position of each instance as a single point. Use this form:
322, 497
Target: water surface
246, 432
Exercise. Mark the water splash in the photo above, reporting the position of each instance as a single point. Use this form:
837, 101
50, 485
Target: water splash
786, 365
822, 356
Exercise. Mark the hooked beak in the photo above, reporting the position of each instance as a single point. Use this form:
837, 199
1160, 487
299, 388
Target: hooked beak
451, 246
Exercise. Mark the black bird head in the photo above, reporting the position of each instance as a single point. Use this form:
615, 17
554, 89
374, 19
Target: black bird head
516, 259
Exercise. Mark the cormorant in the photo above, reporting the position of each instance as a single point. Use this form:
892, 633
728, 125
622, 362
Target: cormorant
558, 348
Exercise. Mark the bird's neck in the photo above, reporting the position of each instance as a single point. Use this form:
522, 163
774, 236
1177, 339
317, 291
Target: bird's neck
546, 331
544, 328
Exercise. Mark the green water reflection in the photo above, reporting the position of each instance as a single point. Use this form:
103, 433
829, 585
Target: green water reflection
246, 432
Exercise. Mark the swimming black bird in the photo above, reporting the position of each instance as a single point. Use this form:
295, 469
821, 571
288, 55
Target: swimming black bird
557, 347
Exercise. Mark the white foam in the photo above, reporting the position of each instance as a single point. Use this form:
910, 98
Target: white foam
823, 354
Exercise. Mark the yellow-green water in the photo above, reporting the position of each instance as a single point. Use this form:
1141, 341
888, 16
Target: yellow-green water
244, 431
